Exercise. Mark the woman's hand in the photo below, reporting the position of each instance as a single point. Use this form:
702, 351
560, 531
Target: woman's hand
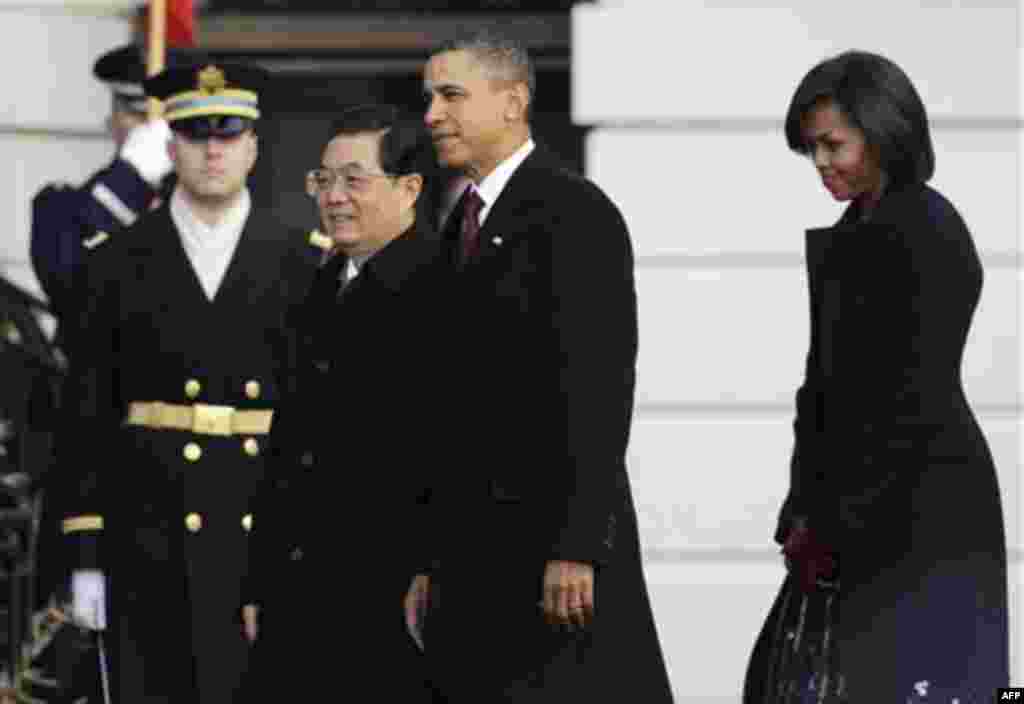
808, 559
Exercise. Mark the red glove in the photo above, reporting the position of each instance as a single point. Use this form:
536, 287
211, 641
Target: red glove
808, 559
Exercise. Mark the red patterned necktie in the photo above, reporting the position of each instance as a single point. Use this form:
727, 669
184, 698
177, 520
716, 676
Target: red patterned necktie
470, 229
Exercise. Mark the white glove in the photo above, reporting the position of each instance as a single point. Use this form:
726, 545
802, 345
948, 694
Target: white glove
146, 149
89, 599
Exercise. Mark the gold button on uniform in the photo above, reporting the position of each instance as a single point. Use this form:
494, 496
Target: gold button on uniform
251, 447
192, 388
247, 522
252, 389
192, 452
193, 522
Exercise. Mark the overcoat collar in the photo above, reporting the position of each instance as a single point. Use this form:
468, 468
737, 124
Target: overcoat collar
392, 266
528, 190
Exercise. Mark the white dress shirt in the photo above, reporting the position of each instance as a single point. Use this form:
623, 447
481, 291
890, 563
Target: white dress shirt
494, 183
210, 248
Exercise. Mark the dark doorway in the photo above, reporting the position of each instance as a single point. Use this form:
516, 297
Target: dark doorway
371, 58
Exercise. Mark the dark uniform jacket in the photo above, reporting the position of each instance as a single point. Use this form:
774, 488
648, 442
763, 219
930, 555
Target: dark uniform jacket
63, 217
338, 521
889, 457
538, 434
168, 508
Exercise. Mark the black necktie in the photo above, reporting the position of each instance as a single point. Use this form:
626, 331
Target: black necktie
470, 229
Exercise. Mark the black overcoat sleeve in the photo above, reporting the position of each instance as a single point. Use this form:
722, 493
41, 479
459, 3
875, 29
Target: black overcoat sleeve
92, 409
593, 322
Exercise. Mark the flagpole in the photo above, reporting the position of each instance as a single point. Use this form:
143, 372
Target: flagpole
157, 39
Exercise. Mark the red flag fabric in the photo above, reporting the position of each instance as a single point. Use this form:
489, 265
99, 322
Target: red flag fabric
181, 23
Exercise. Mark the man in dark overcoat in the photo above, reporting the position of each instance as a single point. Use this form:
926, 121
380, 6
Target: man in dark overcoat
339, 511
538, 593
170, 400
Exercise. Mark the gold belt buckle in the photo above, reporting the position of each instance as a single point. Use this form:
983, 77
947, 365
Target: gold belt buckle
212, 420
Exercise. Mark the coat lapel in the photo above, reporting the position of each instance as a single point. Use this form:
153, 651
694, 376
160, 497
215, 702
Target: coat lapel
524, 193
253, 267
175, 268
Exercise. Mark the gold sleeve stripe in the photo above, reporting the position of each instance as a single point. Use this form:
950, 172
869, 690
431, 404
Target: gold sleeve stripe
96, 240
78, 524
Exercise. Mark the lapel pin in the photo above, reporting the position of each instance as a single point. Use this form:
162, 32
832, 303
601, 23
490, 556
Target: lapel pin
497, 240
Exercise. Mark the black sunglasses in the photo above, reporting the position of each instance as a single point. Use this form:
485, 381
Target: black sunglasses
199, 129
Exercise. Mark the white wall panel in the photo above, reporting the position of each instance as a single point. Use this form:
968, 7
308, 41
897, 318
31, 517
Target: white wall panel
685, 60
707, 485
711, 192
708, 615
90, 6
33, 161
49, 57
739, 335
721, 336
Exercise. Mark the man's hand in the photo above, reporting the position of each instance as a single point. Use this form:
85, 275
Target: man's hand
251, 622
416, 601
568, 593
89, 599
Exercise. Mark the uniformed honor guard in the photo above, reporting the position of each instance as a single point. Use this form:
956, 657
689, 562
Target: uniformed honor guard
65, 217
170, 399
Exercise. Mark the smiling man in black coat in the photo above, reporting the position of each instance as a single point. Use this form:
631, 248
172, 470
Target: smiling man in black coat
337, 518
537, 592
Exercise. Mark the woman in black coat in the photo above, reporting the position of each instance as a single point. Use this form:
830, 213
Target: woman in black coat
892, 530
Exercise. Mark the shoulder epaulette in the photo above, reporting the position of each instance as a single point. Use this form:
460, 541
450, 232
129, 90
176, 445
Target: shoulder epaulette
96, 240
320, 240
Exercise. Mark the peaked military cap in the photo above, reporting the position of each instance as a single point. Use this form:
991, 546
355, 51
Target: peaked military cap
209, 89
123, 69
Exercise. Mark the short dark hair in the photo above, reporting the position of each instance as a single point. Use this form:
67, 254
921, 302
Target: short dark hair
876, 97
405, 148
505, 59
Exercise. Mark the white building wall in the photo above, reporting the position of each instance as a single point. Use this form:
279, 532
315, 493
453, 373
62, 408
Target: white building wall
687, 100
52, 120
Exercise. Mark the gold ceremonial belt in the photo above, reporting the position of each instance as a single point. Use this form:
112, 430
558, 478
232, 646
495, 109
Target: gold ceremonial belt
199, 418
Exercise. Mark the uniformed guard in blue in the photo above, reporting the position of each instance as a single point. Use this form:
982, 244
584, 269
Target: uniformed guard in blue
171, 396
68, 220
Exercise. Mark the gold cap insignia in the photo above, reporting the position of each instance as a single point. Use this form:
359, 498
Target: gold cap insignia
211, 80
